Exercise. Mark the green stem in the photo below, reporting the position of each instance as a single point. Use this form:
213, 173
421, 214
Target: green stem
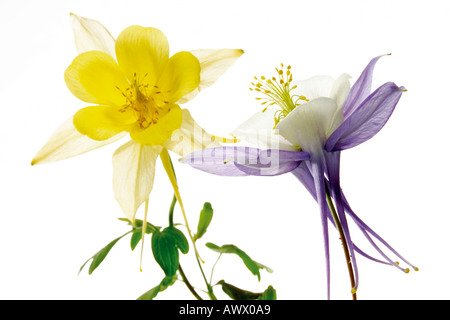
172, 207
208, 285
188, 284
344, 242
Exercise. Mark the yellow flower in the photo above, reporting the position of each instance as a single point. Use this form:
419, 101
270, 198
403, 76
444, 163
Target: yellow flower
134, 86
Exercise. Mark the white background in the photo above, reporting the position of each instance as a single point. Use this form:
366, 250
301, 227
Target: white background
53, 217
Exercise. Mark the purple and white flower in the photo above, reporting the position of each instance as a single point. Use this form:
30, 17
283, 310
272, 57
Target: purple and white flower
303, 129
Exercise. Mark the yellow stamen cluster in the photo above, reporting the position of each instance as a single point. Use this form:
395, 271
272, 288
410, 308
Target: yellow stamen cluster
146, 100
278, 91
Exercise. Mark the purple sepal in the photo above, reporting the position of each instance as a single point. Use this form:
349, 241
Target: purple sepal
243, 161
361, 89
367, 119
317, 172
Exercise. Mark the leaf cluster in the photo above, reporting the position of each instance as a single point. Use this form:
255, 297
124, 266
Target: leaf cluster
166, 245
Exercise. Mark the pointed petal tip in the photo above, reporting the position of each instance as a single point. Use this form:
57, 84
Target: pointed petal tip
36, 160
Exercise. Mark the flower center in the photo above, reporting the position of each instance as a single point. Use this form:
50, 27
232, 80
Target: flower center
278, 91
147, 101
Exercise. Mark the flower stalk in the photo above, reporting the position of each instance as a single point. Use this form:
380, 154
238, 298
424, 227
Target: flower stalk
344, 242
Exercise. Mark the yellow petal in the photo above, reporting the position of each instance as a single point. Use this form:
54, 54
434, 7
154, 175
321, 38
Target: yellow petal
181, 76
102, 122
91, 35
142, 51
95, 77
159, 132
213, 64
189, 137
67, 142
134, 172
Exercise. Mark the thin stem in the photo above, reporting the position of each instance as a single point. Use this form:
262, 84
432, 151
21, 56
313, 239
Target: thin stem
214, 266
188, 284
172, 207
344, 242
208, 285
144, 228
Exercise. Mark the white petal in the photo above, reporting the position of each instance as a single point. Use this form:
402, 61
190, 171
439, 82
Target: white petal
309, 124
189, 137
341, 89
213, 64
259, 130
67, 142
134, 172
91, 35
314, 87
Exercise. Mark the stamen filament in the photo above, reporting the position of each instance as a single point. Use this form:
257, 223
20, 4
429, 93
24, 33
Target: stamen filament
279, 92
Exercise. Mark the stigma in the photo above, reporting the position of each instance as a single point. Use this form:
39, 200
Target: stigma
278, 91
146, 101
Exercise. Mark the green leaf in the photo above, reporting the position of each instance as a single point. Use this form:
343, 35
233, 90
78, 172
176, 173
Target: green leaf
135, 238
98, 258
165, 246
236, 293
269, 294
152, 293
251, 265
205, 219
180, 240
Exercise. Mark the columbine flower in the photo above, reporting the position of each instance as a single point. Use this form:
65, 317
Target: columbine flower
133, 86
304, 127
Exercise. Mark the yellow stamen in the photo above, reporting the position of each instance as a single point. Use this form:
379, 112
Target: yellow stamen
278, 91
149, 104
